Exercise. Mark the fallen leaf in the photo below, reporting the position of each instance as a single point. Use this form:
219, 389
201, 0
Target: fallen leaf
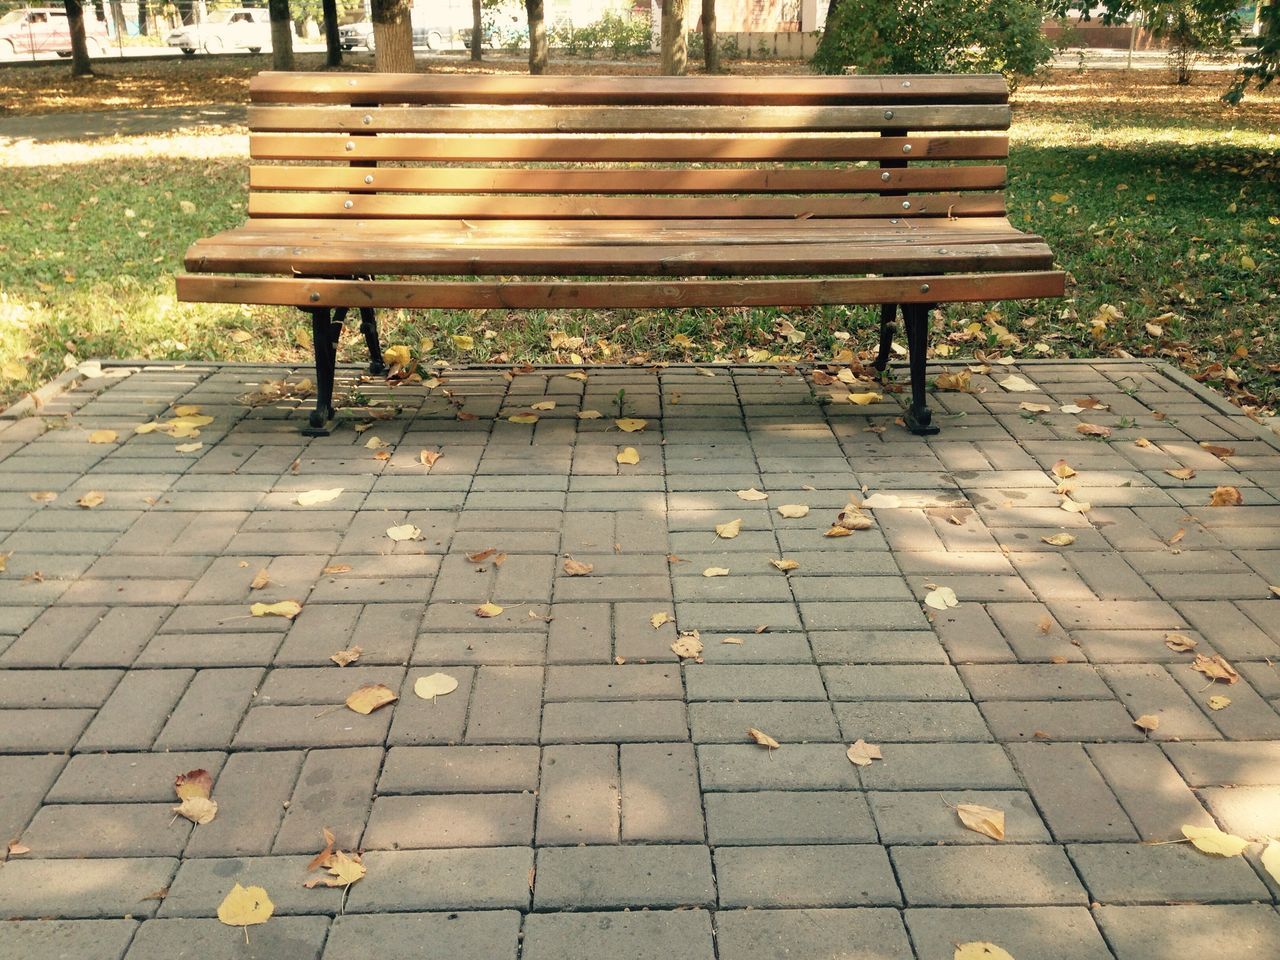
91, 499
716, 572
406, 531
1212, 840
1177, 536
343, 870
1225, 497
488, 610
1059, 540
188, 447
658, 619
260, 580
1071, 408
199, 810
1093, 430
523, 418
481, 555
880, 501
43, 496
1182, 473
435, 685
940, 598
370, 697
285, 608
862, 753
576, 568
102, 436
729, 530
193, 783
688, 646
752, 494
838, 531
733, 640
17, 848
428, 458
1215, 668
630, 424
1075, 506
987, 821
982, 949
959, 381
762, 738
1179, 642
1063, 470
1219, 703
1091, 403
325, 856
344, 657
589, 414
376, 443
1222, 453
245, 906
864, 399
462, 341
310, 498
543, 405
1142, 442
1034, 407
337, 568
1017, 384
1271, 860
793, 511
629, 455
786, 565
1147, 721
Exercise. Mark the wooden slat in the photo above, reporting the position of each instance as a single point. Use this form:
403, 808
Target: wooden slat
470, 206
643, 181
727, 91
628, 119
598, 149
477, 295
401, 259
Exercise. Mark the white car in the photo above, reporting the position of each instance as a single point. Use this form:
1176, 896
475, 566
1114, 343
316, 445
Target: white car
245, 28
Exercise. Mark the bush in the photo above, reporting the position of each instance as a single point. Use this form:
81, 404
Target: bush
935, 36
621, 36
1193, 29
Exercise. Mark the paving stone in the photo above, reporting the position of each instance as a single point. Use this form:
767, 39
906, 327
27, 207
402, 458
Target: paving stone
201, 884
614, 722
57, 939
1157, 932
942, 766
92, 889
459, 769
247, 830
912, 817
1034, 681
487, 935
1149, 689
787, 722
1025, 875
1134, 873
1059, 720
451, 820
894, 682
24, 782
52, 637
648, 935
286, 938
1072, 796
578, 801
1149, 789
626, 682
106, 830
1227, 764
753, 682
504, 705
41, 731
661, 800
905, 721
278, 728
127, 777
210, 710
43, 689
860, 933
334, 790
611, 877
136, 710
1249, 717
439, 721
1245, 811
805, 876
788, 817
819, 766
1030, 933
580, 633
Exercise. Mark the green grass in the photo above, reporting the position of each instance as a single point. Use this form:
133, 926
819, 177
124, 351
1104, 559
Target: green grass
1171, 219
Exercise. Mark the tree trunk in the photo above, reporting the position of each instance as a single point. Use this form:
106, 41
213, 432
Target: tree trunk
281, 35
675, 54
393, 36
477, 27
537, 36
117, 20
80, 66
144, 15
333, 46
710, 50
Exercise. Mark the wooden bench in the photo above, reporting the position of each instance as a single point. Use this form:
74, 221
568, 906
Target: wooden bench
517, 192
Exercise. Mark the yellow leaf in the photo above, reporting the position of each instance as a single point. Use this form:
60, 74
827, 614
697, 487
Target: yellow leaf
688, 646
1219, 703
344, 657
864, 399
629, 455
405, 531
1248, 263
785, 565
343, 870
544, 405
188, 410
190, 420
12, 370
729, 530
193, 783
488, 610
397, 356
376, 443
1075, 506
940, 598
762, 738
1063, 470
43, 496
980, 950
310, 498
260, 580
245, 906
523, 418
1017, 384
589, 414
1182, 473
102, 436
576, 568
198, 810
1059, 540
1179, 642
462, 341
862, 753
1093, 430
434, 685
716, 572
1147, 722
838, 531
960, 381
1212, 840
658, 619
91, 499
370, 697
1215, 668
428, 458
752, 494
1059, 197
1034, 407
285, 608
630, 424
987, 821
189, 447
793, 511
1271, 860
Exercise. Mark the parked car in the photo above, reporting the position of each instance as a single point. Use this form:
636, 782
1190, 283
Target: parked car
361, 35
242, 28
45, 30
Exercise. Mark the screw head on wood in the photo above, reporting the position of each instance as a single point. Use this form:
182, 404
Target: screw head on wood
906, 148
315, 297
366, 119
368, 178
347, 205
894, 220
906, 83
888, 114
906, 204
924, 288
886, 176
350, 145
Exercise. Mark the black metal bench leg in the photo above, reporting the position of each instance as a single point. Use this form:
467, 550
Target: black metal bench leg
369, 327
326, 328
919, 419
888, 316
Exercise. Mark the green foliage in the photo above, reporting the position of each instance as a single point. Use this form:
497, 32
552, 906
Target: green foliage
1192, 29
935, 36
619, 35
1262, 65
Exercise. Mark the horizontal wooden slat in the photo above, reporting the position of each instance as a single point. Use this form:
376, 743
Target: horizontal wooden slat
643, 181
628, 119
471, 206
478, 295
512, 89
364, 256
597, 149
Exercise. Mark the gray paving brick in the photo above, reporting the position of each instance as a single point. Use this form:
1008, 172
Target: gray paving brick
23, 784
580, 633
288, 938
1034, 681
912, 817
277, 728
1249, 717
52, 637
1096, 720
201, 884
859, 933
247, 829
942, 766
614, 722
648, 935
505, 703
450, 820
1025, 875
1072, 796
788, 817
906, 721
38, 939
626, 682
210, 710
41, 731
578, 801
790, 721
1149, 689
1149, 789
1244, 811
128, 777
106, 830
136, 711
623, 876
487, 935
894, 682
1156, 932
1227, 764
1133, 873
661, 799
459, 769
805, 876
489, 878
333, 790
439, 721
1030, 933
798, 766
119, 636
43, 689
91, 889
753, 682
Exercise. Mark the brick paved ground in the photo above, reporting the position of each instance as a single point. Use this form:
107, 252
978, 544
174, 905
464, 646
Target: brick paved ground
582, 794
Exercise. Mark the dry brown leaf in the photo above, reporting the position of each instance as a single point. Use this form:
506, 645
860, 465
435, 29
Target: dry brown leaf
343, 870
189, 448
375, 443
1215, 668
1212, 840
1075, 506
1017, 384
1226, 497
785, 565
1034, 407
1177, 536
260, 579
245, 906
658, 619
370, 697
482, 555
987, 821
344, 657
18, 848
629, 456
762, 738
576, 568
43, 496
716, 572
729, 530
1059, 540
1182, 473
1091, 403
959, 381
199, 810
428, 458
864, 399
1063, 470
285, 608
733, 640
334, 568
793, 511
1222, 453
862, 753
91, 499
1093, 430
1219, 702
752, 495
487, 610
688, 646
523, 418
193, 783
838, 531
1147, 722
1179, 642
1142, 442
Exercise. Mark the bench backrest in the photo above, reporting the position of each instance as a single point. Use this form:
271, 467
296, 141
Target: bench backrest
419, 146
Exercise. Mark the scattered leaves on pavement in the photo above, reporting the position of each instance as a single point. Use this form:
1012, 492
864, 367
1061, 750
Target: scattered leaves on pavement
1215, 668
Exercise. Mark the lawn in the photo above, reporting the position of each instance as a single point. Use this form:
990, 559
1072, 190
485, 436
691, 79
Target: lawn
1161, 204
